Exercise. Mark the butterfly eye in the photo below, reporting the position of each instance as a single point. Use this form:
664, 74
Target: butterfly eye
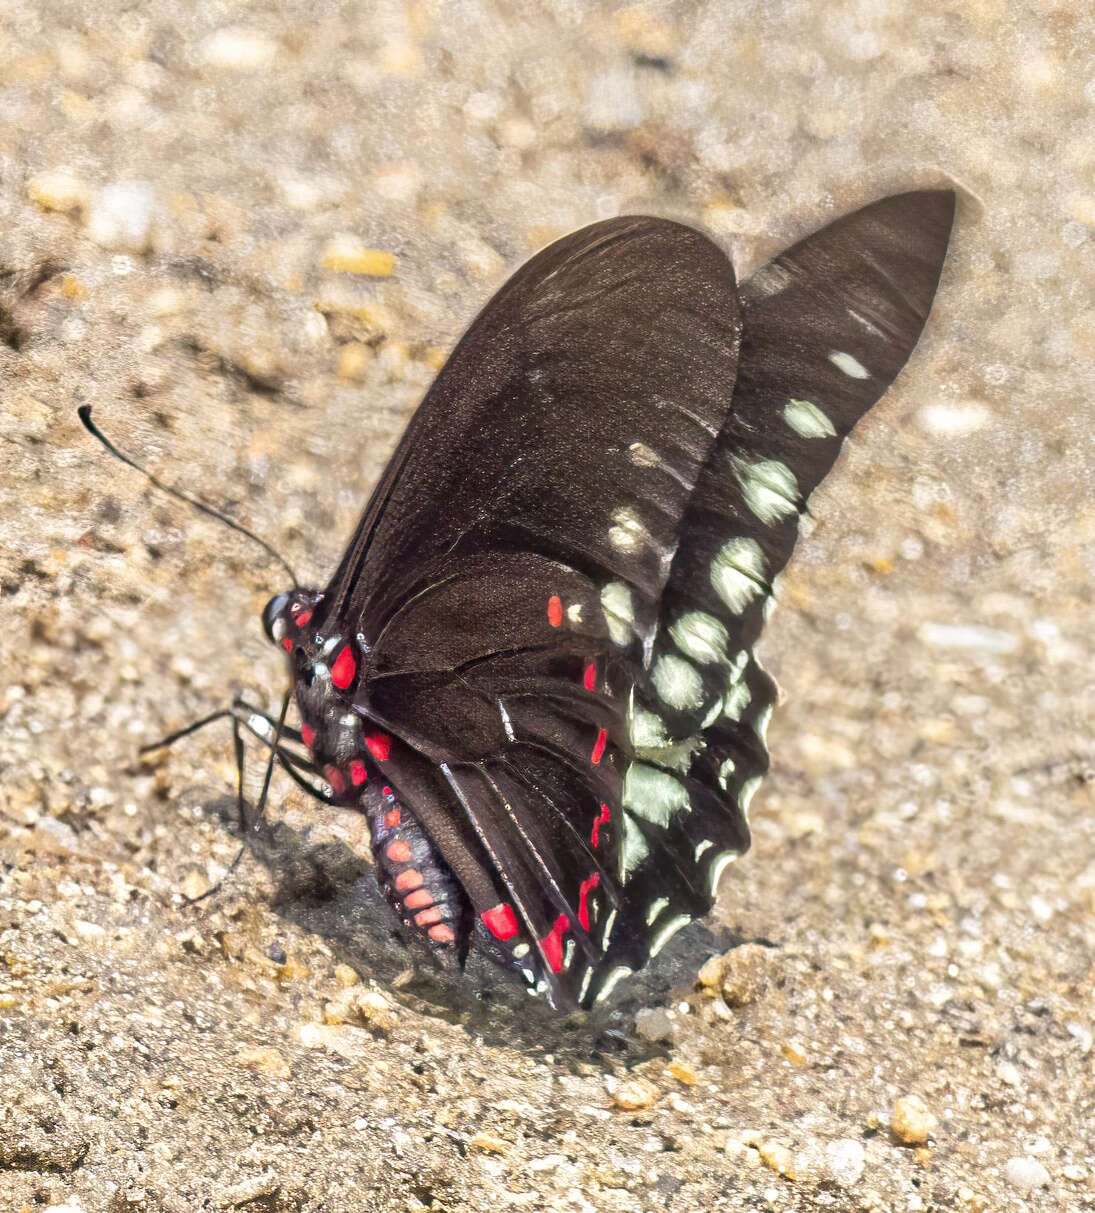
273, 622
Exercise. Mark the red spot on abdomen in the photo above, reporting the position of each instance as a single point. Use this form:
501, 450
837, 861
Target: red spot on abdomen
501, 921
584, 890
303, 618
418, 900
442, 934
392, 818
555, 610
379, 745
595, 837
410, 879
427, 918
590, 676
358, 773
308, 734
334, 777
344, 669
287, 644
599, 747
552, 943
398, 851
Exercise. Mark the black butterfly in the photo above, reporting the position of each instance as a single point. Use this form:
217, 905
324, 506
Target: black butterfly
533, 669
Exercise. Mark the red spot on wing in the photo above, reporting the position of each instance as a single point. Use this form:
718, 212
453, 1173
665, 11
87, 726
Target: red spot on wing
309, 735
379, 745
427, 918
344, 669
501, 921
334, 777
387, 793
599, 747
303, 618
584, 890
418, 900
595, 837
590, 676
552, 943
555, 610
410, 879
392, 818
287, 644
442, 934
358, 773
398, 851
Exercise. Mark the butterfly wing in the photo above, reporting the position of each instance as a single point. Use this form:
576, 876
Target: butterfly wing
828, 324
507, 573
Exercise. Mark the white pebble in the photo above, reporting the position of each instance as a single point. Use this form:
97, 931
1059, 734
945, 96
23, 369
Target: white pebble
972, 636
612, 102
1026, 1174
238, 49
121, 215
957, 420
845, 1159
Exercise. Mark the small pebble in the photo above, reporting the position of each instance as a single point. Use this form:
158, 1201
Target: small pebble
654, 1024
912, 1123
845, 1160
486, 1143
635, 1093
778, 1157
264, 1061
120, 216
236, 48
350, 256
58, 191
1026, 1174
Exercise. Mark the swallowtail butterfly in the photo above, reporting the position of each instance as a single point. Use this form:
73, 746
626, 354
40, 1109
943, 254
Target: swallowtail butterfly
533, 669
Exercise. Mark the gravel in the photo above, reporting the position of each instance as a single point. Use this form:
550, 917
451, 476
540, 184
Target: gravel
249, 236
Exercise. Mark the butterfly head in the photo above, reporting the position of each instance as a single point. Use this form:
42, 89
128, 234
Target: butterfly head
286, 617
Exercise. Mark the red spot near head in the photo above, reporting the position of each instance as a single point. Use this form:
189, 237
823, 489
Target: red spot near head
308, 734
426, 918
555, 610
410, 879
392, 818
599, 746
442, 934
501, 921
552, 943
344, 669
398, 851
595, 837
590, 677
584, 890
303, 618
287, 644
358, 773
418, 900
334, 777
379, 745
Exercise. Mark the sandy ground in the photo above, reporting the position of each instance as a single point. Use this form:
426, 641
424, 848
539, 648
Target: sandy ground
178, 184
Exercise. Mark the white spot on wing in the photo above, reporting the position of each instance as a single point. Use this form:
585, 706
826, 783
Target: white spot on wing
585, 983
718, 866
705, 845
677, 682
656, 908
521, 950
633, 848
760, 725
646, 730
851, 367
653, 794
701, 636
667, 932
748, 791
737, 573
807, 420
507, 724
873, 329
574, 612
736, 700
627, 533
619, 611
769, 488
606, 934
726, 769
617, 975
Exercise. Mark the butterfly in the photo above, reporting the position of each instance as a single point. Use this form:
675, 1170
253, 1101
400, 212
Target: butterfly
533, 669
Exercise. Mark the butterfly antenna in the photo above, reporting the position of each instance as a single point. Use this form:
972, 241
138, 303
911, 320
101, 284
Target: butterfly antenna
84, 412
